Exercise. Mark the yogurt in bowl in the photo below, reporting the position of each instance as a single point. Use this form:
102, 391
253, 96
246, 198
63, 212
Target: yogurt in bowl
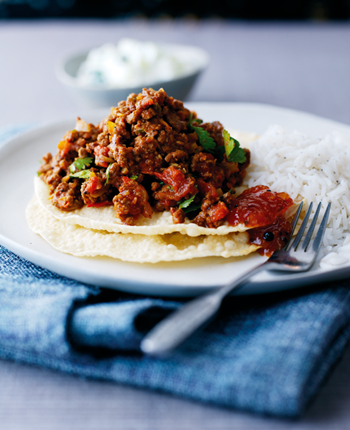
130, 63
102, 76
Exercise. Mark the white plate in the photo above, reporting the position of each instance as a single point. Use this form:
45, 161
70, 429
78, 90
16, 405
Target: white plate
19, 160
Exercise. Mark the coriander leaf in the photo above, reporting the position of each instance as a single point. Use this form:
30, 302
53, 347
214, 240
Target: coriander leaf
189, 206
107, 174
83, 174
187, 202
207, 142
192, 207
192, 119
157, 108
219, 153
234, 152
80, 164
134, 177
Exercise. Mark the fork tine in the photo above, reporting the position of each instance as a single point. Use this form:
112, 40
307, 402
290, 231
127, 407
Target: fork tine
295, 222
296, 218
321, 230
311, 228
302, 228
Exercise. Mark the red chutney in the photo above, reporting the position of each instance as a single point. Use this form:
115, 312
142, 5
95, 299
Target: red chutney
271, 237
263, 211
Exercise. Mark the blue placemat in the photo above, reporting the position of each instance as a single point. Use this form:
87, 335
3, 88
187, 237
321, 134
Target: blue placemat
266, 354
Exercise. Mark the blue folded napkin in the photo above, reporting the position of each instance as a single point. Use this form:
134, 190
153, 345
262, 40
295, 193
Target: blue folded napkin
267, 354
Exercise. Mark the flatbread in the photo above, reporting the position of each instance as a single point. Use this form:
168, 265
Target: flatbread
85, 242
105, 219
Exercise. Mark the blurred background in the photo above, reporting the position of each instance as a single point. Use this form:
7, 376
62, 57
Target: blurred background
292, 54
241, 9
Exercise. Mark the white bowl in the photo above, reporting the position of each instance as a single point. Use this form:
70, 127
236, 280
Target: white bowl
98, 97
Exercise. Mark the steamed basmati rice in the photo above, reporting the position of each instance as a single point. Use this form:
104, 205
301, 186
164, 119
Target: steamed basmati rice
316, 169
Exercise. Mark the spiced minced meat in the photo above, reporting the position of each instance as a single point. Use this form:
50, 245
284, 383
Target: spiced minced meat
149, 154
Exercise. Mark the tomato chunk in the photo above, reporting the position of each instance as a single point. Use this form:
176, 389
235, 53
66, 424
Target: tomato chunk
207, 189
92, 184
101, 156
218, 212
180, 185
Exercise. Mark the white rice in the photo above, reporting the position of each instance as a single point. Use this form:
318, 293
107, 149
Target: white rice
316, 169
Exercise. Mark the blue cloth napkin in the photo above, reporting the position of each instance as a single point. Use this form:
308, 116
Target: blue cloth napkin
267, 354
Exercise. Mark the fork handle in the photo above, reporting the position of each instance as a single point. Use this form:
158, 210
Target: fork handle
181, 324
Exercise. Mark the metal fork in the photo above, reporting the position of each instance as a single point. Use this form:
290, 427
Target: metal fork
294, 257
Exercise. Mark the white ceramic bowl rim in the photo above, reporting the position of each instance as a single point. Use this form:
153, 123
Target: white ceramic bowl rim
200, 56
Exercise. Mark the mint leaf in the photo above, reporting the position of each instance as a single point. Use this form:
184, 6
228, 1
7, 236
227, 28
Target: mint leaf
234, 153
80, 164
84, 174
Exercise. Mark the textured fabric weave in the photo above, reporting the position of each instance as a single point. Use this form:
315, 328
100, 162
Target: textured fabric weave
266, 354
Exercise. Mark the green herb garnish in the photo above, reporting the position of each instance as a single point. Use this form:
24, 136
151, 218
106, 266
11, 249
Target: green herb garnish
232, 148
193, 207
186, 203
80, 164
157, 108
134, 177
234, 152
207, 142
140, 131
189, 205
219, 153
107, 173
83, 174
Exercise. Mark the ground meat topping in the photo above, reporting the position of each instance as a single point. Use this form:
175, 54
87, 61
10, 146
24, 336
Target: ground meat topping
144, 157
67, 196
131, 201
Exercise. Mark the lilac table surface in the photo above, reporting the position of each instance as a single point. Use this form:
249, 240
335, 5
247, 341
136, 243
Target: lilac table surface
304, 66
